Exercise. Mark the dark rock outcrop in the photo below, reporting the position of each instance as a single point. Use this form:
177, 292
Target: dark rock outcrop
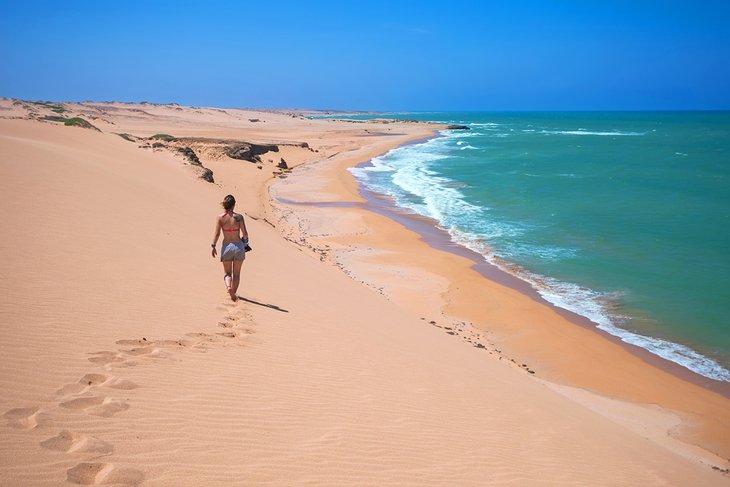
250, 152
207, 175
190, 155
282, 164
457, 127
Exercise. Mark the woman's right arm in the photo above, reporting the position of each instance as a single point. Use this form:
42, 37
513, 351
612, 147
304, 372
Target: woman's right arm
217, 233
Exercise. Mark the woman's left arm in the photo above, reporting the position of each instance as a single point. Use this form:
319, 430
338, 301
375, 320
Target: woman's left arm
243, 229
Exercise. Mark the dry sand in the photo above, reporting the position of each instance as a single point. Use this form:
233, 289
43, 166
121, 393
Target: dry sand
123, 363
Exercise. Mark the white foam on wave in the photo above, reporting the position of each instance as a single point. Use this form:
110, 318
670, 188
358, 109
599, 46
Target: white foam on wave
468, 147
415, 186
585, 132
594, 306
587, 303
460, 134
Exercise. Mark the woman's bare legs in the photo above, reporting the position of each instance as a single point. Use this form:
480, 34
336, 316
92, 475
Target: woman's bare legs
228, 267
236, 277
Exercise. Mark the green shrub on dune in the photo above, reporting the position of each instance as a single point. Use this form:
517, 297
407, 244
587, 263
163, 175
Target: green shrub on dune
52, 106
72, 122
165, 137
126, 136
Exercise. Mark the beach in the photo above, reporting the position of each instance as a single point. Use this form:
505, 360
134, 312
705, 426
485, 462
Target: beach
361, 352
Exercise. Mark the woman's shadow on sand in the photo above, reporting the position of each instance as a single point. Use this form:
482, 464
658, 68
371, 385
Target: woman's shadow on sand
271, 306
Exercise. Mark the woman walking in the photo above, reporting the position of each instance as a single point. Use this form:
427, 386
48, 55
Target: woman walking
233, 248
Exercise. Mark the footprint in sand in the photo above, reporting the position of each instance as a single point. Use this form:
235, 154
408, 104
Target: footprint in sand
202, 340
228, 334
103, 474
91, 380
122, 384
83, 385
106, 357
152, 352
96, 405
24, 418
143, 342
69, 442
82, 402
174, 344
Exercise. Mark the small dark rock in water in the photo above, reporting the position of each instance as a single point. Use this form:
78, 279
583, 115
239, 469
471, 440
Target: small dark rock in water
479, 345
451, 333
282, 164
157, 145
432, 322
457, 127
254, 120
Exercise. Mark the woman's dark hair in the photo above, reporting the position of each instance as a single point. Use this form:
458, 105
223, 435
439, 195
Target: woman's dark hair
228, 202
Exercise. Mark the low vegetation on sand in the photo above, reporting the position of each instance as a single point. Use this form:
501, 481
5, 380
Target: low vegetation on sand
72, 122
128, 137
54, 107
165, 137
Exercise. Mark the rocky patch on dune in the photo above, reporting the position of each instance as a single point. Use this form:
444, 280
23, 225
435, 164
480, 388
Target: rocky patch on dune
247, 151
191, 147
190, 155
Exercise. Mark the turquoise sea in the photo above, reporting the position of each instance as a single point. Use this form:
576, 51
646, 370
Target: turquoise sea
623, 218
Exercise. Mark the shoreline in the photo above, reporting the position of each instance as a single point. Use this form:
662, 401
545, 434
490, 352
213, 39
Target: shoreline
439, 240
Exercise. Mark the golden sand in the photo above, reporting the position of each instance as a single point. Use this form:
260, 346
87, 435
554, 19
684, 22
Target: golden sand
122, 362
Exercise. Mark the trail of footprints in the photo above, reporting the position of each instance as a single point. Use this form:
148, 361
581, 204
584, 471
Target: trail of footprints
88, 396
469, 334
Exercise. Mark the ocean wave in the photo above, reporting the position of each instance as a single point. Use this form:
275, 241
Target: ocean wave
468, 147
406, 175
585, 132
595, 306
586, 302
460, 134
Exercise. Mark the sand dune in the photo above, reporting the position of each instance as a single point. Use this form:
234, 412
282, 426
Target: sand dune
122, 362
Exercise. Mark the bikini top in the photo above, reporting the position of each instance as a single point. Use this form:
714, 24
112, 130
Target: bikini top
228, 212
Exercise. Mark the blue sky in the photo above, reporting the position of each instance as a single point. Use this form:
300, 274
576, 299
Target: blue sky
372, 55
